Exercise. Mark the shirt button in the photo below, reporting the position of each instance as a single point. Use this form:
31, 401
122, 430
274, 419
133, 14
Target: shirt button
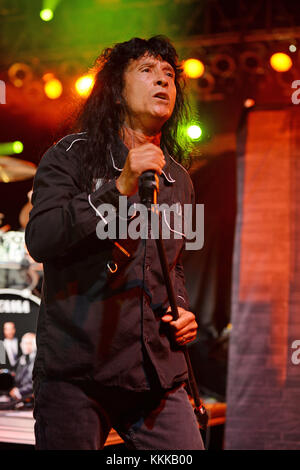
147, 267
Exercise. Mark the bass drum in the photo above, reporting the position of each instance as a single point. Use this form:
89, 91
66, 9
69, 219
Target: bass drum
18, 316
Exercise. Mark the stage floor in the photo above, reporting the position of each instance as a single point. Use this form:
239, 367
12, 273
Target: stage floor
17, 426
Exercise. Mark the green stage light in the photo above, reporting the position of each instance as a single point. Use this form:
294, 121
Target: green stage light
17, 146
10, 148
194, 132
46, 14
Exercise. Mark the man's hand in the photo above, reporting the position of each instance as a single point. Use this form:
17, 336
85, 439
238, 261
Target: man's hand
184, 328
146, 157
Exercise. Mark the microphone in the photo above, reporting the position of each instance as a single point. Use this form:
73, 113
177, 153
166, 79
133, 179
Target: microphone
148, 187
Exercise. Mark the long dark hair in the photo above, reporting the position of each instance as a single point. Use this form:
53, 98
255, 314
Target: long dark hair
103, 113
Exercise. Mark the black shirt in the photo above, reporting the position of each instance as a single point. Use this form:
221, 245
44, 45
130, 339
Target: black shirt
100, 309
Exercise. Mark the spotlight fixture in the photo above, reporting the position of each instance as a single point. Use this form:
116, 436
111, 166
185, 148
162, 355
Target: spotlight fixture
193, 68
84, 84
249, 103
53, 87
206, 83
281, 62
194, 132
11, 148
223, 65
251, 62
46, 14
20, 74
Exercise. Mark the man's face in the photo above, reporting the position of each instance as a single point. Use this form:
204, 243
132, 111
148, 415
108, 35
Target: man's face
9, 330
149, 92
28, 344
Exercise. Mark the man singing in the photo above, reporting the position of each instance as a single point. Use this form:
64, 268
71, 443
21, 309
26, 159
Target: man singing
108, 351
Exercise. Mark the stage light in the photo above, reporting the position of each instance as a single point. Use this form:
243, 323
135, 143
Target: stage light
17, 147
251, 61
194, 132
20, 74
53, 88
10, 148
46, 14
84, 85
48, 9
292, 48
34, 92
223, 65
206, 84
281, 62
249, 103
47, 76
193, 68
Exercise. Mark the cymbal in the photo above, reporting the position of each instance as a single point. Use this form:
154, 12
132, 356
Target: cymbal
14, 169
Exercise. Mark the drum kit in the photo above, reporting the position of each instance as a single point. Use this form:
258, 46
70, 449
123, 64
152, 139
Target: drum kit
20, 276
17, 269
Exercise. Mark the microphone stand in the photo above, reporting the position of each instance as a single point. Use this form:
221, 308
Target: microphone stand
148, 189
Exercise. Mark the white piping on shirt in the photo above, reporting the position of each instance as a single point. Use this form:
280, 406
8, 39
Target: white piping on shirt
76, 140
178, 208
113, 162
96, 210
175, 231
77, 133
178, 164
171, 180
